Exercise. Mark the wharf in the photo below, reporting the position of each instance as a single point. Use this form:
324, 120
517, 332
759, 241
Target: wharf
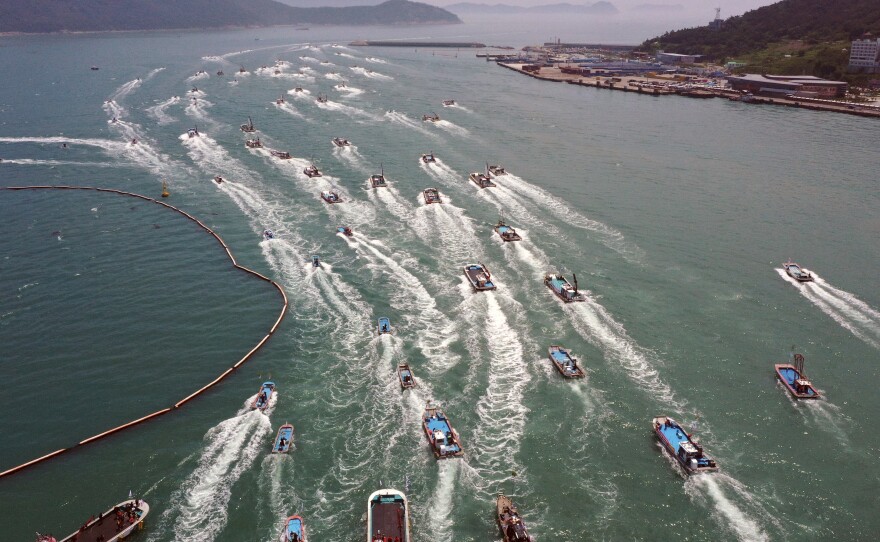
429, 44
664, 86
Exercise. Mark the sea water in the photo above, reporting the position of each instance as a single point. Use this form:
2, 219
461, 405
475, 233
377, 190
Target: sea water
674, 214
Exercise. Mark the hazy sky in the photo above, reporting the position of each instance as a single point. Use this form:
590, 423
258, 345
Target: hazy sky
699, 8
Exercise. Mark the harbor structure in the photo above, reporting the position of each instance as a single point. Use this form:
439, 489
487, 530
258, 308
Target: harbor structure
864, 55
676, 58
803, 86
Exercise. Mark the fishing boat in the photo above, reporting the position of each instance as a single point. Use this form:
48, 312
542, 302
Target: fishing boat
312, 171
565, 363
479, 277
684, 448
387, 516
283, 439
433, 117
795, 380
481, 179
284, 155
432, 195
563, 289
280, 99
344, 230
261, 401
448, 103
316, 261
218, 179
506, 232
242, 70
377, 180
298, 89
277, 72
322, 98
268, 234
340, 142
496, 170
384, 325
330, 196
249, 127
192, 132
95, 68
341, 85
441, 436
294, 530
220, 73
114, 524
513, 528
797, 272
405, 375
254, 143
429, 158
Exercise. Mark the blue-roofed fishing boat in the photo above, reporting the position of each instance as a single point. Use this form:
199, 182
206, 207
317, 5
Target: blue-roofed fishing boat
405, 374
441, 436
344, 230
283, 439
429, 158
432, 195
387, 516
479, 277
330, 196
793, 378
797, 272
565, 363
316, 261
563, 289
481, 179
384, 325
294, 530
378, 180
105, 527
512, 526
506, 232
261, 401
687, 451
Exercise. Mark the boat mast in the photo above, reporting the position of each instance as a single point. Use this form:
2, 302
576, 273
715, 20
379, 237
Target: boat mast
575, 282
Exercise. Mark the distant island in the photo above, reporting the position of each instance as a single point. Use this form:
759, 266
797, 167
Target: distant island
598, 8
789, 37
43, 16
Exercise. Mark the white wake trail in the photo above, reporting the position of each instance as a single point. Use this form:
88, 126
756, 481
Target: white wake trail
158, 111
721, 491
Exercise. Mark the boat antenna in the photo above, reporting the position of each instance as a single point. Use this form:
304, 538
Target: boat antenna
575, 282
382, 168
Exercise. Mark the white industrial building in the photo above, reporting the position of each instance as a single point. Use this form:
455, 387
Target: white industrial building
864, 55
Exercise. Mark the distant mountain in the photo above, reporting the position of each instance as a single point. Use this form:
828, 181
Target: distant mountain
35, 16
598, 8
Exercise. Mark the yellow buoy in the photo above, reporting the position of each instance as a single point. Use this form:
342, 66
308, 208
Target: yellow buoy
165, 192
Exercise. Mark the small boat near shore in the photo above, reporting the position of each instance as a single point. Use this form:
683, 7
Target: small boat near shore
405, 375
506, 232
481, 179
254, 143
433, 117
283, 439
294, 530
345, 230
681, 446
795, 380
431, 195
441, 436
112, 525
429, 158
341, 142
249, 127
448, 103
218, 179
383, 326
192, 132
563, 289
377, 180
312, 171
513, 528
479, 277
268, 234
316, 261
797, 272
564, 362
261, 401
330, 196
387, 516
283, 155
496, 170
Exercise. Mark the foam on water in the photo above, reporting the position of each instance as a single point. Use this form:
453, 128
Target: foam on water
53, 163
391, 199
370, 73
350, 155
158, 111
440, 515
289, 109
330, 105
375, 60
723, 492
333, 76
851, 313
198, 77
451, 127
402, 120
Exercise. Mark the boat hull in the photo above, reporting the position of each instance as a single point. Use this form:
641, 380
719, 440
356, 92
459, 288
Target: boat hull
481, 180
564, 362
789, 376
434, 421
431, 196
479, 277
388, 516
106, 525
797, 272
406, 377
284, 432
513, 528
672, 438
261, 401
383, 326
294, 524
563, 289
507, 233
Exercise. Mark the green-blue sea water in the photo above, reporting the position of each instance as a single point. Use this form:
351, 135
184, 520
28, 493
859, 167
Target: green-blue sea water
675, 214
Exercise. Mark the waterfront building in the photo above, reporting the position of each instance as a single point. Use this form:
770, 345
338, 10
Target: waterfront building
864, 55
676, 58
805, 86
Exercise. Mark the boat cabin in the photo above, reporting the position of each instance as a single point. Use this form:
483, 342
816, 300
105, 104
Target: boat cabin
330, 196
253, 143
284, 155
432, 195
341, 142
482, 180
497, 170
448, 103
322, 98
378, 180
429, 158
405, 375
344, 230
316, 261
249, 127
312, 171
433, 117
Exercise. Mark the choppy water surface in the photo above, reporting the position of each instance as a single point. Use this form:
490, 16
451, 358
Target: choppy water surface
675, 214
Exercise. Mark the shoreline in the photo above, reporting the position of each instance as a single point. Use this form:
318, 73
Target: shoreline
650, 86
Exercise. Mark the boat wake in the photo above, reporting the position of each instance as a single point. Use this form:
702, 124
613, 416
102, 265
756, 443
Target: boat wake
451, 127
333, 76
289, 109
447, 225
347, 109
197, 109
375, 60
350, 92
370, 73
723, 492
198, 76
230, 448
850, 312
351, 156
395, 203
440, 514
402, 120
158, 111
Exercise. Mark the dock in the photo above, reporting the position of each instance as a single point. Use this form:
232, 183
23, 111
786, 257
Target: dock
417, 44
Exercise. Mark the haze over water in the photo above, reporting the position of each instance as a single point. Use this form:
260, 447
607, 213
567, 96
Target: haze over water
674, 213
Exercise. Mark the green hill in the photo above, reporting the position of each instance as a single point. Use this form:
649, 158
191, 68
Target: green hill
36, 16
794, 36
